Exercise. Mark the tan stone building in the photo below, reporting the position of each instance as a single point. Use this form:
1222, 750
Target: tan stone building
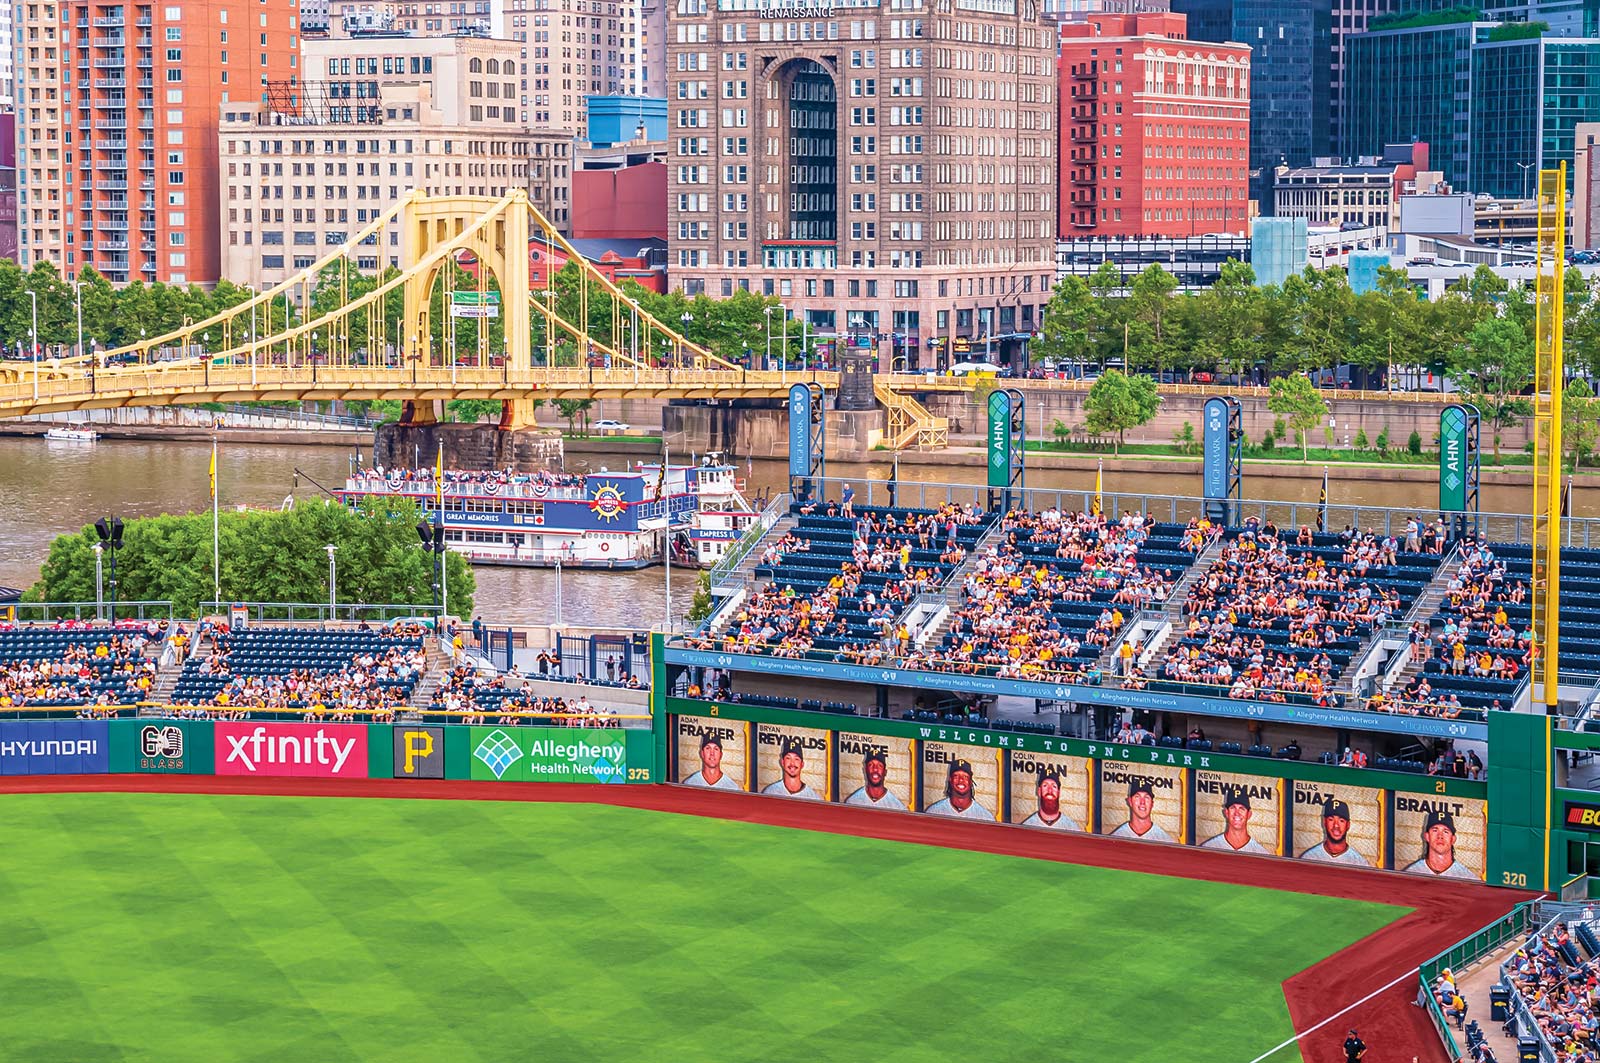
888, 171
575, 49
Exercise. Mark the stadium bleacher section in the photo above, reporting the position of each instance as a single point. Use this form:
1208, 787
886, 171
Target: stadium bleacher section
75, 664
1555, 990
466, 695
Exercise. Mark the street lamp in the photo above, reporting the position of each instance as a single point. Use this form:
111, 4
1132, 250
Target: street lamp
77, 293
768, 313
110, 532
99, 587
686, 319
333, 578
1527, 176
432, 536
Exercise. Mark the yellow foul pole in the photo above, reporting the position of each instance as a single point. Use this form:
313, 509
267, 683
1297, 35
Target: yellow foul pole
1547, 392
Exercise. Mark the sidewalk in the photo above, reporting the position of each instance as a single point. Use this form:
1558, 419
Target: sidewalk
1474, 988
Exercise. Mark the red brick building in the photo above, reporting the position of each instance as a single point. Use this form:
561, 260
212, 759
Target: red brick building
620, 204
1154, 129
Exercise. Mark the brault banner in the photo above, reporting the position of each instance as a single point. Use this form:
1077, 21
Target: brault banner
301, 750
1440, 836
55, 747
712, 753
548, 754
792, 762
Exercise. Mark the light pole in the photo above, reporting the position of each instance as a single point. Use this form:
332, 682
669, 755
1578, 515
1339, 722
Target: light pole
333, 581
666, 547
432, 536
1527, 176
768, 313
110, 533
34, 354
77, 293
783, 355
99, 586
687, 317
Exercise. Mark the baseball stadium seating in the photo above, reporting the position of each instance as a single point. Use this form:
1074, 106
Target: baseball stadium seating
327, 656
69, 652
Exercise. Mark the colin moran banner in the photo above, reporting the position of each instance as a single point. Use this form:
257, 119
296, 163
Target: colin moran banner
548, 754
1052, 791
310, 750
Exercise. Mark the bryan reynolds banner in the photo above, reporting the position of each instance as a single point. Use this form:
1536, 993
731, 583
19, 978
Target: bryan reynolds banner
792, 762
548, 754
309, 750
1052, 791
713, 753
1440, 836
1338, 824
1238, 813
875, 771
1142, 801
961, 781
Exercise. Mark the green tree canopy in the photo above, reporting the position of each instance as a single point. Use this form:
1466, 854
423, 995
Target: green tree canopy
1118, 402
1300, 403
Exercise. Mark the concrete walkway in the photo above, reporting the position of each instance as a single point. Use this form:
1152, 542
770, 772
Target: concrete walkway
1474, 987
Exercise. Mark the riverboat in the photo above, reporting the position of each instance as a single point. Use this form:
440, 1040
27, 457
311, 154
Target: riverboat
72, 433
599, 520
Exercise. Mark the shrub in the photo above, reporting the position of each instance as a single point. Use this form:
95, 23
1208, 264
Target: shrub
1414, 444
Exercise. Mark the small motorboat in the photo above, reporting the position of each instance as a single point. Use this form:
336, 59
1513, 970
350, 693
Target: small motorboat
73, 433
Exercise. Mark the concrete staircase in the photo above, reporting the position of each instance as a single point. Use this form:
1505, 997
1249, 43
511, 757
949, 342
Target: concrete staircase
952, 586
438, 663
1426, 605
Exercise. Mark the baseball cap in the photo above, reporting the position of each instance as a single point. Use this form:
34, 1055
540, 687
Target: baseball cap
961, 765
1139, 784
875, 754
1051, 774
709, 739
1336, 809
1236, 795
1438, 817
791, 745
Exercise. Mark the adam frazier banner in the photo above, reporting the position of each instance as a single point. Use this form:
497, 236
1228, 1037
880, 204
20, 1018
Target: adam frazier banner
548, 754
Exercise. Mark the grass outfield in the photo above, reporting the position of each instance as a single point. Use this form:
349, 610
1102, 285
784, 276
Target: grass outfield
175, 928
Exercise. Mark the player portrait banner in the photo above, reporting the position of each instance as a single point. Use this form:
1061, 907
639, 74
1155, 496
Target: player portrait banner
548, 754
713, 753
875, 771
1238, 813
1338, 824
961, 781
1143, 801
1051, 791
1440, 836
792, 762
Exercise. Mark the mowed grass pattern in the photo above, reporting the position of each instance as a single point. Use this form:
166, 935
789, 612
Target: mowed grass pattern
176, 928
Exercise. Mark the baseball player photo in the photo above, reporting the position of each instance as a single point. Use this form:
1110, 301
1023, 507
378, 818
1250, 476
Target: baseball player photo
1235, 837
874, 791
1439, 853
711, 774
960, 797
1050, 814
1335, 847
792, 783
1141, 806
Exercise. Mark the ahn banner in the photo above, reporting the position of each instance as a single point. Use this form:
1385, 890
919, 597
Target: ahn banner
792, 762
548, 754
1440, 836
713, 753
1142, 801
1238, 813
298, 750
875, 771
55, 747
1052, 791
1338, 824
960, 781
418, 752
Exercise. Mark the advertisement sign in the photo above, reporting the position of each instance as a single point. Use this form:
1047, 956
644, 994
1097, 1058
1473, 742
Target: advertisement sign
1338, 824
55, 747
418, 752
1215, 439
792, 762
1143, 801
1000, 439
713, 753
1052, 791
1453, 459
1582, 815
1440, 836
548, 754
875, 771
961, 781
299, 750
800, 430
1238, 813
161, 747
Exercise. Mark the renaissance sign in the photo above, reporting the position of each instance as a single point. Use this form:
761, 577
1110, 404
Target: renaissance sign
795, 8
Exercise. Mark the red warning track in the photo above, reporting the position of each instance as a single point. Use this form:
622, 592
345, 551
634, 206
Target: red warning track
1444, 912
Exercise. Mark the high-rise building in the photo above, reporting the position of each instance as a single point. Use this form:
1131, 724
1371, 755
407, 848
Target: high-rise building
888, 172
1079, 10
1496, 100
420, 16
1298, 61
8, 78
1154, 130
575, 49
117, 128
1586, 186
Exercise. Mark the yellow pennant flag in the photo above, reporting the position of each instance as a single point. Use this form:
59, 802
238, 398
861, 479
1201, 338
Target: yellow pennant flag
438, 477
1099, 474
213, 471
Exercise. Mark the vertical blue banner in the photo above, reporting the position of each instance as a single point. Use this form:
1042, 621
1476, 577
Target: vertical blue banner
1216, 449
999, 449
1453, 459
800, 430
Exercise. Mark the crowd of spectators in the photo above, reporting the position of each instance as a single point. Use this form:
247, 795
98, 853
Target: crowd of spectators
374, 683
104, 668
506, 699
1559, 989
489, 480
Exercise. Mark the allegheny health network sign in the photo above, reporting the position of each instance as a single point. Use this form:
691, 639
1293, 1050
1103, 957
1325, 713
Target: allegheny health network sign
548, 754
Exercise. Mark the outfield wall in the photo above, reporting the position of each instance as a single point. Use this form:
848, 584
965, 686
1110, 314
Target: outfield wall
327, 750
743, 748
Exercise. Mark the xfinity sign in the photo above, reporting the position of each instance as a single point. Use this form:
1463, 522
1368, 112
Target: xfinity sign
331, 751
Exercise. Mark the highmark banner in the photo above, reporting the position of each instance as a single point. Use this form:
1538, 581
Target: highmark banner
548, 754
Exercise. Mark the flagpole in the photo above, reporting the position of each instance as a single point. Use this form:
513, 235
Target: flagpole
666, 550
216, 537
444, 567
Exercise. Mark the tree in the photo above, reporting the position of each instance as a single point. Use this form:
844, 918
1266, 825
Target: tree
267, 556
1580, 421
572, 409
1118, 402
1493, 366
1295, 397
473, 411
700, 604
1149, 303
1070, 320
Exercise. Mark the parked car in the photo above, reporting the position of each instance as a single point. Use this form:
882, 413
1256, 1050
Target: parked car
965, 368
608, 427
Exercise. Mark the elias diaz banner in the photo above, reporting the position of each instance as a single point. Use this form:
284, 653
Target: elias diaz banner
307, 750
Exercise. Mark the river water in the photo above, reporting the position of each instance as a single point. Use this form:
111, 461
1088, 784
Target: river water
47, 489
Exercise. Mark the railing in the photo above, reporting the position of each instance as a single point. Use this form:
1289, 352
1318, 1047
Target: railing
309, 416
1464, 952
321, 612
774, 512
913, 381
532, 492
162, 708
44, 612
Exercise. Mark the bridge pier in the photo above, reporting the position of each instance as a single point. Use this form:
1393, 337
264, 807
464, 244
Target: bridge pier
420, 411
517, 414
475, 447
